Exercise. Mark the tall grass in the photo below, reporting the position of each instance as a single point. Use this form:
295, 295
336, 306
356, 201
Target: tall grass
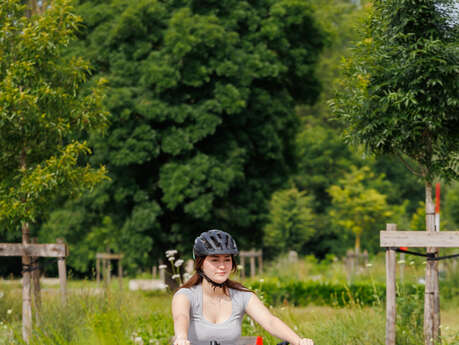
133, 318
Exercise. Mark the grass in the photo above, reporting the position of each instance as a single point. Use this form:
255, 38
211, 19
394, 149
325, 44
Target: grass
92, 317
119, 318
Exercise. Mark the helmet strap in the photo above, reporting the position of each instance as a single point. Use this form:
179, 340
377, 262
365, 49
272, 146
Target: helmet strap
214, 284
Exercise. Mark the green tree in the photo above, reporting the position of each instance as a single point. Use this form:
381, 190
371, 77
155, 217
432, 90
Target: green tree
400, 93
291, 222
42, 108
203, 127
401, 96
356, 206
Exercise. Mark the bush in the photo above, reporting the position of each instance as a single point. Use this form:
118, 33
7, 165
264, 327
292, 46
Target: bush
302, 293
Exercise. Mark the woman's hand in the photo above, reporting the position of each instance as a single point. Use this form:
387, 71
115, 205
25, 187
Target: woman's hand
181, 341
305, 341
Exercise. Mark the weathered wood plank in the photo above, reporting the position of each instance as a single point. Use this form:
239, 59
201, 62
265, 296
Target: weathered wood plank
442, 239
390, 290
249, 253
108, 256
42, 250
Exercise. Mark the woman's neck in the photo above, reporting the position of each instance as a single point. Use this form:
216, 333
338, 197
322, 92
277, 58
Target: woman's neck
209, 290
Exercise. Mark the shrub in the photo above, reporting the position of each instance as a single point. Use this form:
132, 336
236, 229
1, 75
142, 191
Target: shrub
301, 293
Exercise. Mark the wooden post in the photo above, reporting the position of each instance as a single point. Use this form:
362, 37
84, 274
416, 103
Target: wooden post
109, 271
260, 262
154, 272
429, 239
36, 285
98, 271
26, 296
349, 265
365, 258
62, 275
436, 320
243, 267
120, 273
252, 266
429, 300
390, 291
104, 273
162, 272
26, 251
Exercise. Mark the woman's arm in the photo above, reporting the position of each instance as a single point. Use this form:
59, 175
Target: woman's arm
181, 315
258, 312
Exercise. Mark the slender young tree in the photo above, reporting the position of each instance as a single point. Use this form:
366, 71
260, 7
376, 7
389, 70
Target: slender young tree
41, 109
400, 96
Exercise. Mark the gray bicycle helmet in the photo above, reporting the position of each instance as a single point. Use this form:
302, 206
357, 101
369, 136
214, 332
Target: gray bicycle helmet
214, 242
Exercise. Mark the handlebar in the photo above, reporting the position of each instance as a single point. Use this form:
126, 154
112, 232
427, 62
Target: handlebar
217, 343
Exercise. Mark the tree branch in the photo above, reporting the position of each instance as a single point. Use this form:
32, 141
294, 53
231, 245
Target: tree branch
409, 167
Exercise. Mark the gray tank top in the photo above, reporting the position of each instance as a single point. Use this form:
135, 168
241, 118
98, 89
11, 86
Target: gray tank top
202, 331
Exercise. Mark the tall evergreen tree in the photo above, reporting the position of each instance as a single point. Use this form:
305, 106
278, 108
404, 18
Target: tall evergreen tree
202, 97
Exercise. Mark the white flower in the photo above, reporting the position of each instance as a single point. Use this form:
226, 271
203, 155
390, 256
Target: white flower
261, 280
239, 267
401, 261
2, 294
171, 252
178, 263
369, 265
411, 262
138, 341
171, 259
162, 267
176, 276
9, 311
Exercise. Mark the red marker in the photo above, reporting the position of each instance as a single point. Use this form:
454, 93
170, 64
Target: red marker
437, 207
259, 341
403, 248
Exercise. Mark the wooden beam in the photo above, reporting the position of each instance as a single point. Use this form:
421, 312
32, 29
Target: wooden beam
442, 239
41, 250
108, 256
250, 253
390, 290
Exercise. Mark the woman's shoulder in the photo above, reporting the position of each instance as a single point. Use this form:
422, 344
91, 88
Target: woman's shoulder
188, 291
240, 296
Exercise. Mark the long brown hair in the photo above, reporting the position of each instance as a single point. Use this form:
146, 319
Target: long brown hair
196, 279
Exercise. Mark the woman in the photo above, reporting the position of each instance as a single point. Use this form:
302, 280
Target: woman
209, 306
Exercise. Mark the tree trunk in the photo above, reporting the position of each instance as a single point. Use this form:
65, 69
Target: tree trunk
431, 317
36, 287
26, 296
26, 273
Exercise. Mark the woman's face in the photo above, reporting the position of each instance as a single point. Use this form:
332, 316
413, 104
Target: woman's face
218, 267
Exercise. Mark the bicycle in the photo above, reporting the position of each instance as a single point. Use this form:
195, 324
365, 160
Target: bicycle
217, 343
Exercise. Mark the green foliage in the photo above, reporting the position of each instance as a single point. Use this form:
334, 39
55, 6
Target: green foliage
302, 293
291, 221
203, 124
42, 107
400, 93
357, 206
410, 315
323, 158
